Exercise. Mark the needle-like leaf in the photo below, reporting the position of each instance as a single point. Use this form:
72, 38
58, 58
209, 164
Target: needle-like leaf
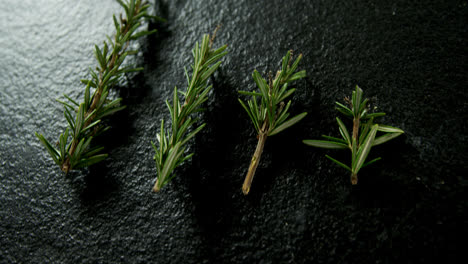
385, 138
339, 163
343, 131
325, 144
365, 149
287, 124
389, 129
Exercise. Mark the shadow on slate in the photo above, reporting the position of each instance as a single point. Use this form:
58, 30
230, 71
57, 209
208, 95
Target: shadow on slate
213, 150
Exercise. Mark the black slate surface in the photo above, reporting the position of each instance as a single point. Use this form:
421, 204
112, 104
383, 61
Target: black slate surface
410, 59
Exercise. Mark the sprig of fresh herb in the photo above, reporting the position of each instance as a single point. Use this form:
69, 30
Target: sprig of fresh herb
359, 145
85, 119
170, 153
270, 115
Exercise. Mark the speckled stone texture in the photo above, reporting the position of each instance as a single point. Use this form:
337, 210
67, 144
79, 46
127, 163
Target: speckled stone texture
410, 58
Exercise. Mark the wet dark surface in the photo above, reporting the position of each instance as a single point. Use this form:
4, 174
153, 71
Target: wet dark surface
410, 58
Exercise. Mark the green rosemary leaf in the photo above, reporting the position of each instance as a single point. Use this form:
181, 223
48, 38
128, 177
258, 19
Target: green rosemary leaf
192, 134
284, 114
94, 75
203, 96
365, 130
354, 152
218, 51
353, 103
125, 7
78, 150
295, 64
343, 131
131, 9
65, 104
89, 116
261, 83
63, 145
100, 58
86, 82
385, 138
363, 113
389, 129
215, 57
86, 98
287, 94
79, 121
143, 33
210, 71
71, 100
363, 105
373, 115
69, 119
129, 69
370, 162
343, 109
339, 140
297, 76
287, 124
256, 111
175, 108
155, 18
90, 161
358, 99
103, 98
285, 61
249, 113
281, 92
364, 149
110, 111
189, 156
90, 126
325, 144
183, 128
100, 129
171, 161
117, 28
338, 162
52, 151
249, 93
92, 151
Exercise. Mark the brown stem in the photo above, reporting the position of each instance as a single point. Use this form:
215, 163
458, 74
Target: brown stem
254, 162
353, 178
355, 128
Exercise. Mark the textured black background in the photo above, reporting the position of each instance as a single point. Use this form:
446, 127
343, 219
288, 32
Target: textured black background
409, 58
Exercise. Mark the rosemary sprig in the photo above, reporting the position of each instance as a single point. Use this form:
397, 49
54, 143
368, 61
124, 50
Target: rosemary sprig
170, 153
85, 119
270, 116
359, 145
